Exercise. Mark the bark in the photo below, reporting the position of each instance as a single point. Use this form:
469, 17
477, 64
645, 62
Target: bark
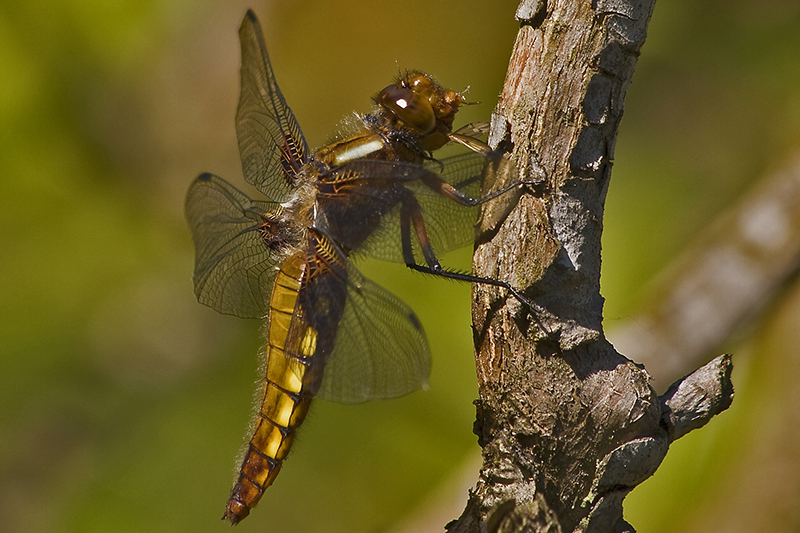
568, 426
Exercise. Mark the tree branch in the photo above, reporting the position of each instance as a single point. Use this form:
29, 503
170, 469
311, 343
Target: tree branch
568, 426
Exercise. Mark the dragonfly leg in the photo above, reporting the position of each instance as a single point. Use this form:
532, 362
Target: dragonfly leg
411, 216
439, 270
439, 185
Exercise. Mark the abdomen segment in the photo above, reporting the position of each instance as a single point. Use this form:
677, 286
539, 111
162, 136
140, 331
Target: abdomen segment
306, 306
285, 402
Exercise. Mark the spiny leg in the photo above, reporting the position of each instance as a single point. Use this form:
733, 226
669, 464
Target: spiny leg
411, 215
454, 192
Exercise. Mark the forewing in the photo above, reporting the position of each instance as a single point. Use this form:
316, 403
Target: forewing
474, 129
380, 349
271, 144
450, 225
234, 269
376, 230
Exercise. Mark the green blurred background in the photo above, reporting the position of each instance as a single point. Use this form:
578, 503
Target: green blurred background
123, 402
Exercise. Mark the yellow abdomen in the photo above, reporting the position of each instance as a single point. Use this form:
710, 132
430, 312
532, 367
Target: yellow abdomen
291, 342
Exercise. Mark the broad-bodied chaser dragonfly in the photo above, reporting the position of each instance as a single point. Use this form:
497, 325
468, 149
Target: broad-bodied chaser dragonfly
374, 190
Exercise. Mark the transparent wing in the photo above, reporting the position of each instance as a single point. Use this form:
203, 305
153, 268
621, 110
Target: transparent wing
378, 191
234, 269
449, 224
380, 349
474, 130
271, 144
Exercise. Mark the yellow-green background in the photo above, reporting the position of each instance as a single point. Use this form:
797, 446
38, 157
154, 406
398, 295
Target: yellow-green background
123, 402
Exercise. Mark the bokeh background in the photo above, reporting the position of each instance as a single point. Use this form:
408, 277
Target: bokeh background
123, 402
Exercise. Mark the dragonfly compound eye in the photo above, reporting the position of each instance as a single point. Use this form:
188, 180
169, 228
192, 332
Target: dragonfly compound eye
409, 106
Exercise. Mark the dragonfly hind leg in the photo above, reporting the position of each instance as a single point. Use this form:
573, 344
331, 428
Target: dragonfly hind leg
411, 216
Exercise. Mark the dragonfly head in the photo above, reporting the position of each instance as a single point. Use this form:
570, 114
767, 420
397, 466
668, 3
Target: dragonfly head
418, 105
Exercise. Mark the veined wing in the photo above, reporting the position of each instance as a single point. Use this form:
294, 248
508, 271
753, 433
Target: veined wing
234, 268
379, 349
376, 231
271, 144
333, 333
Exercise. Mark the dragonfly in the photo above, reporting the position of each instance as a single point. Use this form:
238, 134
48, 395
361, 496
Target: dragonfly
373, 190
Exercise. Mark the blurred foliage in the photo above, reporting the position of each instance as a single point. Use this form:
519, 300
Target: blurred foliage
123, 402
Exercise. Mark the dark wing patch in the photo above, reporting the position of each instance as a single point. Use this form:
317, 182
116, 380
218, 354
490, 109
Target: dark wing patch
380, 349
376, 231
